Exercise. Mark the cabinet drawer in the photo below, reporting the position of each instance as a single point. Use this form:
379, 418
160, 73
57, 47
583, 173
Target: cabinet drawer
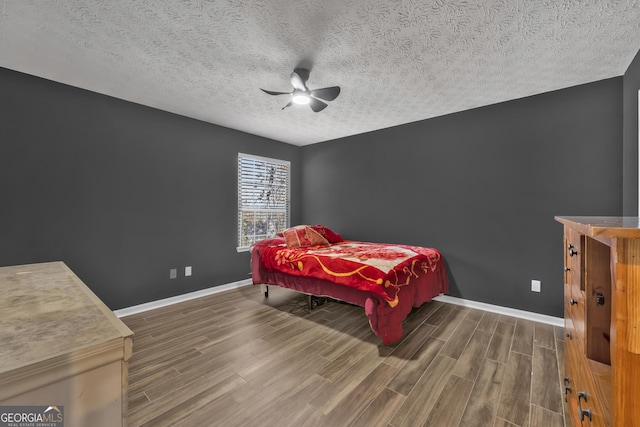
569, 331
601, 379
574, 260
576, 313
572, 380
567, 299
582, 396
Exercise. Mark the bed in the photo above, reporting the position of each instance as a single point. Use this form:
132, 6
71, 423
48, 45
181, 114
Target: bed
388, 280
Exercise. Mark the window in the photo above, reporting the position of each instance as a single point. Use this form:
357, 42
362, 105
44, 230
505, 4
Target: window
263, 198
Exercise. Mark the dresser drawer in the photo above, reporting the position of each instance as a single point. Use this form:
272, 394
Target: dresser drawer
601, 379
574, 243
574, 286
576, 313
574, 347
582, 394
573, 375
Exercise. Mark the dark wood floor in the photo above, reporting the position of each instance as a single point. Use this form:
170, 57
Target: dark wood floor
236, 359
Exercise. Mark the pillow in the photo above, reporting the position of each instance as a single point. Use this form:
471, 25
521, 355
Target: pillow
302, 235
331, 236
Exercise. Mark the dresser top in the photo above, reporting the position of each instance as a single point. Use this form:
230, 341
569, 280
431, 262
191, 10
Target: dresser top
604, 226
47, 311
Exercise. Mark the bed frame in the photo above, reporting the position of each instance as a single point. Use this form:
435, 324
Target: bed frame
312, 300
386, 322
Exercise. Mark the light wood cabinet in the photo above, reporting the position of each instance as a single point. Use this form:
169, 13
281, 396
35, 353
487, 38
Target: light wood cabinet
602, 320
61, 346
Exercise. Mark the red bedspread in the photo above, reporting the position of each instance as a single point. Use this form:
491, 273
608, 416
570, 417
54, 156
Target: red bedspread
392, 278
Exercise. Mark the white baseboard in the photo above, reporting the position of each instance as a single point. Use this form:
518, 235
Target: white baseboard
542, 318
536, 317
180, 298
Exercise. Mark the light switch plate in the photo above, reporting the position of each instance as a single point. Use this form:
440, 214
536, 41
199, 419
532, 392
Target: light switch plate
535, 286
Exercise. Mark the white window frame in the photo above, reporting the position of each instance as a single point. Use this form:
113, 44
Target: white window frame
277, 217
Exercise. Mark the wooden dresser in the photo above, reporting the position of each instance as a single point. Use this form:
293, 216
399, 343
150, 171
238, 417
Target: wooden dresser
602, 320
61, 346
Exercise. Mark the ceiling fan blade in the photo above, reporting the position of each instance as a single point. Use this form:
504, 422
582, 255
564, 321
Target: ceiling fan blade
270, 92
327, 93
317, 105
299, 79
288, 105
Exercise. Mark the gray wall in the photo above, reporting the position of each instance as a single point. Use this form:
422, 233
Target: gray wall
482, 186
121, 192
630, 135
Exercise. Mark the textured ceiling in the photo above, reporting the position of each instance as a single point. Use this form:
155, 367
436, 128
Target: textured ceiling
397, 61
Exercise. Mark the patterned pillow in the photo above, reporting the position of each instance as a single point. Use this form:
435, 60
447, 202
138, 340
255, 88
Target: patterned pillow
302, 235
330, 235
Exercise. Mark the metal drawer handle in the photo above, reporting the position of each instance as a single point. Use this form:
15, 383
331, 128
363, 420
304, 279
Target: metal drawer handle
567, 389
569, 335
573, 302
572, 252
583, 412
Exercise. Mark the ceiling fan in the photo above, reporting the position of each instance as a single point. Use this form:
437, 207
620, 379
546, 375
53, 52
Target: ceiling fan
302, 95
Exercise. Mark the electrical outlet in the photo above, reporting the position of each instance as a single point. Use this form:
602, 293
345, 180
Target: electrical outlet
173, 273
187, 271
535, 286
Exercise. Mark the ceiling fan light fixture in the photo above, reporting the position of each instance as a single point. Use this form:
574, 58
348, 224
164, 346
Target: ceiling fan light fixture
301, 95
300, 98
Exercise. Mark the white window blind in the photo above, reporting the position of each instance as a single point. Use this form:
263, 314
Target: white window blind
263, 198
